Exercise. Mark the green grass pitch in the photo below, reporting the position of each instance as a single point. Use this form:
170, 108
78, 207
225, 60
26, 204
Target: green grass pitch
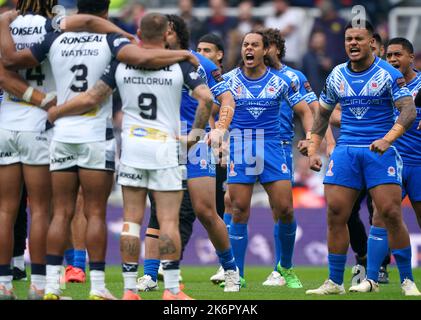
198, 286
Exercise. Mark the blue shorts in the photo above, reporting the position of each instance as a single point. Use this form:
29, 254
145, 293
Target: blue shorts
200, 161
411, 182
359, 168
287, 149
261, 160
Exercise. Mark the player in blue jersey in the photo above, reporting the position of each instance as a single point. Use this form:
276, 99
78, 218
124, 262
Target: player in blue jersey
368, 89
284, 230
357, 233
199, 199
400, 54
255, 151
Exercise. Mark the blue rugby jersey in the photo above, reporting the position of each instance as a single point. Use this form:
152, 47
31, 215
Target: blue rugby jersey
257, 101
367, 100
409, 145
211, 74
286, 112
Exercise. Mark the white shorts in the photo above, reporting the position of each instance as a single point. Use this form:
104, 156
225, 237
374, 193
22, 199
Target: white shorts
169, 179
25, 147
92, 155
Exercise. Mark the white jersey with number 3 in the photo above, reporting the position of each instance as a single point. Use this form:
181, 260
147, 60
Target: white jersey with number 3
16, 114
151, 111
79, 60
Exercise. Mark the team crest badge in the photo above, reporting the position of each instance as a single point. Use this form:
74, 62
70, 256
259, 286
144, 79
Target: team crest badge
232, 173
203, 164
374, 85
284, 168
342, 87
359, 112
329, 172
391, 172
256, 111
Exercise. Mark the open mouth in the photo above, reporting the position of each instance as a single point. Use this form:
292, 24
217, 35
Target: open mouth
249, 57
354, 52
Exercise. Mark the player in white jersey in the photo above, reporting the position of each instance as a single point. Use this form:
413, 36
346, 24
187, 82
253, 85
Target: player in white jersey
24, 143
149, 161
84, 156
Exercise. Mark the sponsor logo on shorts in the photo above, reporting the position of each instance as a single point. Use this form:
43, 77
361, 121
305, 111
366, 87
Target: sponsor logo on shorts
5, 154
232, 173
391, 172
131, 176
62, 160
329, 172
203, 164
39, 138
284, 168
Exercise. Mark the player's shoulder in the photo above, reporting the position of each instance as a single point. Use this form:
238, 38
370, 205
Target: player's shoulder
207, 64
282, 76
231, 74
385, 67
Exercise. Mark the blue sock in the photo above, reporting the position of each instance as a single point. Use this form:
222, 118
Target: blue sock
336, 267
403, 261
377, 249
287, 241
227, 219
151, 267
69, 256
80, 259
277, 241
226, 259
239, 240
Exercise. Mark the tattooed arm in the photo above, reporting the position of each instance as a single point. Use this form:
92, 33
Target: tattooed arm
408, 114
203, 95
318, 131
82, 103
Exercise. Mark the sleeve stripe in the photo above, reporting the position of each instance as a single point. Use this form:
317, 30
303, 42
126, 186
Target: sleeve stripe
325, 105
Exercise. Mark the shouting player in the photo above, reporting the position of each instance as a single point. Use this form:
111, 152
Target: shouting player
368, 89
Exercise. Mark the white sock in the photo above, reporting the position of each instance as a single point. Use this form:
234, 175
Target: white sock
38, 281
171, 280
53, 279
97, 280
6, 281
130, 281
19, 262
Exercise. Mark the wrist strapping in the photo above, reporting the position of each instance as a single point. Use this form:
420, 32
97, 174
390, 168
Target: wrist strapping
48, 98
27, 96
397, 131
225, 117
315, 142
308, 135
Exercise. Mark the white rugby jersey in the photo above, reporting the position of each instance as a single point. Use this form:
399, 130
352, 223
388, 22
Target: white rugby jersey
151, 111
16, 114
78, 60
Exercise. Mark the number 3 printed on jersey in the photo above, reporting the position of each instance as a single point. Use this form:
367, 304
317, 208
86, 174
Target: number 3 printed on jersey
81, 73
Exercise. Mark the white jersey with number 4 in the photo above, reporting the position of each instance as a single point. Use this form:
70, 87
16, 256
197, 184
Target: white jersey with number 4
78, 61
151, 111
16, 114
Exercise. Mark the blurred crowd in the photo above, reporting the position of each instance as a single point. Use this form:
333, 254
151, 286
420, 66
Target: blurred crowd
313, 46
